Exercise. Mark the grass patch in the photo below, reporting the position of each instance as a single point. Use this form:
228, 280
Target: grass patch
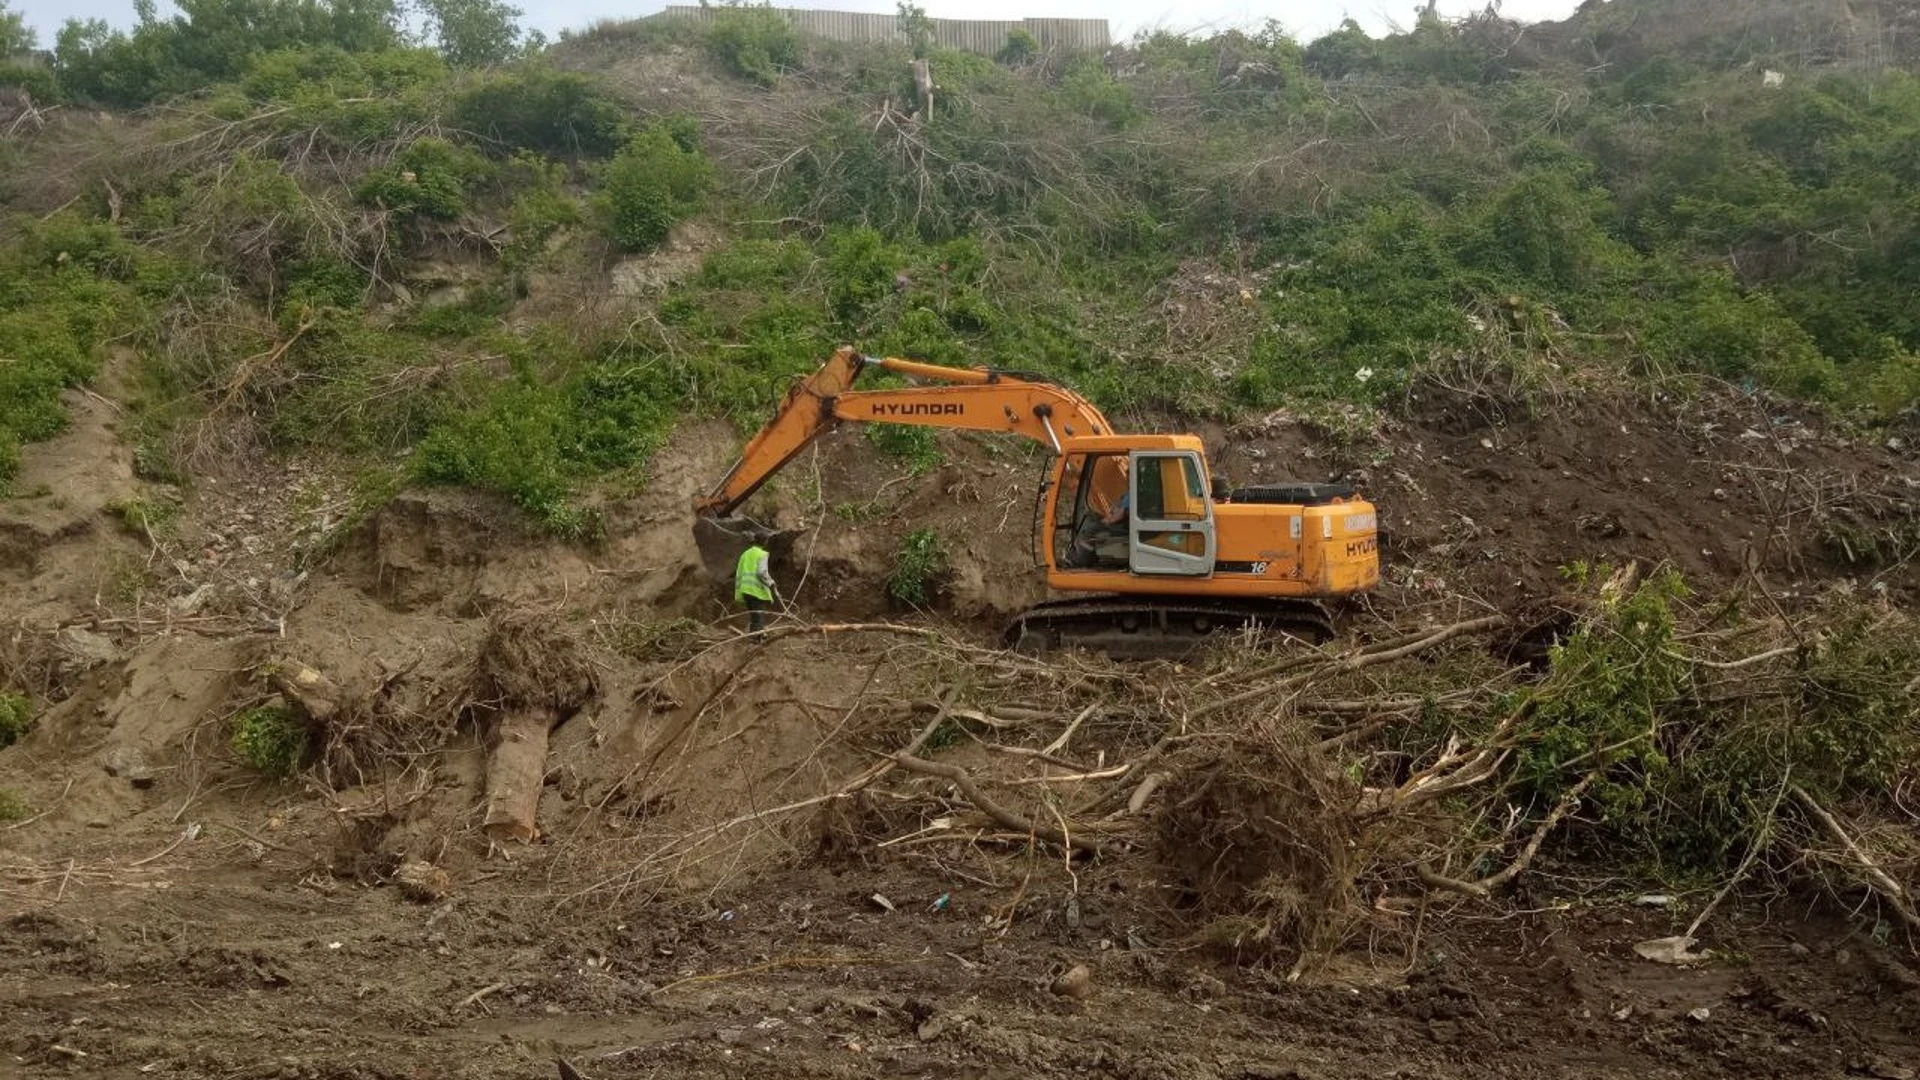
655, 639
153, 519
16, 715
919, 568
272, 739
12, 806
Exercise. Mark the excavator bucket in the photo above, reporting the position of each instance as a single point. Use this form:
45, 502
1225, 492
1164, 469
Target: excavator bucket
720, 540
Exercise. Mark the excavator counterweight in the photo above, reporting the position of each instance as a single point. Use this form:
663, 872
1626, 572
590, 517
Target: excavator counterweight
1149, 557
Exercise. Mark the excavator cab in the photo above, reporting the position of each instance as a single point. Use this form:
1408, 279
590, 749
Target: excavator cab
1168, 528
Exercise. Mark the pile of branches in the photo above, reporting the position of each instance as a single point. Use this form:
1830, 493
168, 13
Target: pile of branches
1296, 800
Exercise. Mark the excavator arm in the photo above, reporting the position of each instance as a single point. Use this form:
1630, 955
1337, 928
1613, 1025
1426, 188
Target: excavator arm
969, 399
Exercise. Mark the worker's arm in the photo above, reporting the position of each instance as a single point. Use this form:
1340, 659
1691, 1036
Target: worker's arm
972, 399
764, 572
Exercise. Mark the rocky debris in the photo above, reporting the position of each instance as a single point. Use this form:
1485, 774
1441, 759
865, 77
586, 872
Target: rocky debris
422, 882
130, 764
1076, 982
87, 648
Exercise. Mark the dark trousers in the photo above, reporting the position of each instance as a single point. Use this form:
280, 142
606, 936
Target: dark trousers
756, 613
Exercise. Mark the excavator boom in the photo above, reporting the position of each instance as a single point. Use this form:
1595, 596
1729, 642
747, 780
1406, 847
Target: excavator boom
971, 399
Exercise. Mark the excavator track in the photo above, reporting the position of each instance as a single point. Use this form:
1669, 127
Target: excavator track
1134, 628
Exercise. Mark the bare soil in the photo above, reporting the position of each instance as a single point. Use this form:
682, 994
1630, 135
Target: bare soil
167, 912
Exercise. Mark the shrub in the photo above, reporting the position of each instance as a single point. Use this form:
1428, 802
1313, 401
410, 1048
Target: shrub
541, 208
60, 294
537, 108
16, 715
1090, 91
916, 446
475, 33
12, 806
271, 738
861, 269
429, 179
754, 42
510, 443
1607, 689
655, 181
918, 568
147, 518
1020, 47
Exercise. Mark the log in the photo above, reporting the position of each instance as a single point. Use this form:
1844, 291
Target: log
964, 780
515, 774
923, 89
320, 696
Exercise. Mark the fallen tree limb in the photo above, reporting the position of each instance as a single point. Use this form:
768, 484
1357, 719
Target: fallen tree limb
515, 772
1733, 665
1066, 736
1485, 887
964, 780
1352, 661
252, 365
1879, 880
1568, 800
1761, 841
864, 780
320, 696
1137, 801
847, 790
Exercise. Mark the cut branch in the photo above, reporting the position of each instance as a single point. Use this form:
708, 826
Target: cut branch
1879, 880
971, 789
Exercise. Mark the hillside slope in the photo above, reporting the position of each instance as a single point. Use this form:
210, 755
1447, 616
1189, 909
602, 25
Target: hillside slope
366, 709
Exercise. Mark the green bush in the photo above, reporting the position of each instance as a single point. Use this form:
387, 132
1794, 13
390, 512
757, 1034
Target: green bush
861, 270
754, 42
1020, 47
16, 715
37, 81
324, 282
538, 108
352, 98
209, 42
271, 738
916, 446
541, 208
654, 181
147, 518
533, 441
1089, 90
918, 568
64, 287
512, 443
12, 806
1608, 688
476, 33
430, 178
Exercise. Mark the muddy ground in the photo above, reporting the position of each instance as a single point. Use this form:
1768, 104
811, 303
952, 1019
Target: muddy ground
167, 912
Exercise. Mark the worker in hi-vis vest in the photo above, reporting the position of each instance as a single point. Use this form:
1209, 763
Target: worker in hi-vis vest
753, 584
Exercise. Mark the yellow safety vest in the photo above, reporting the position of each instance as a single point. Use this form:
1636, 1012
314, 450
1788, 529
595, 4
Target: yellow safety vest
746, 575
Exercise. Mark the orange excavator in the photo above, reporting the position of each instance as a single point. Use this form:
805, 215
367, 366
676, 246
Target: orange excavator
1152, 554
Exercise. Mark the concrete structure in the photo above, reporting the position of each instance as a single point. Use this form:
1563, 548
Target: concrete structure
986, 36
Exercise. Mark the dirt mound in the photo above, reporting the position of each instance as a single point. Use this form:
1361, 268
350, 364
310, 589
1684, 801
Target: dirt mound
59, 546
1717, 485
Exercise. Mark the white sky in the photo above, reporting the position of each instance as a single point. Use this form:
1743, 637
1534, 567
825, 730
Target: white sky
1305, 19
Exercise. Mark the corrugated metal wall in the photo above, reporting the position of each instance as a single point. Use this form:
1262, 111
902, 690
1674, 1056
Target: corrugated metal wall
980, 36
